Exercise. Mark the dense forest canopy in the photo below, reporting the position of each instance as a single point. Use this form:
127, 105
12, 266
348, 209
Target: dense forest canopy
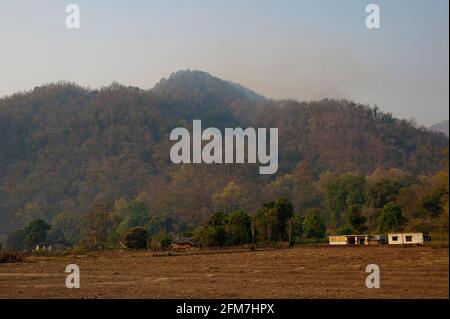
62, 147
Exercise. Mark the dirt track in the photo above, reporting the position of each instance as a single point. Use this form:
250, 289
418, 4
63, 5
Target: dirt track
305, 272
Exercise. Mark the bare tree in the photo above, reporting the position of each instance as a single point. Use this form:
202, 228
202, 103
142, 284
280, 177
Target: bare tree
290, 230
253, 229
271, 220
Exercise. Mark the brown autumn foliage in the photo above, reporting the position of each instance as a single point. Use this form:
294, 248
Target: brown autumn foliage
62, 146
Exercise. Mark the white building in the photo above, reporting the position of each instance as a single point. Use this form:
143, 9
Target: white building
408, 238
50, 247
356, 240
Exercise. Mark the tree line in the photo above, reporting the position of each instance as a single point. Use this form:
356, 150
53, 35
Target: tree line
62, 147
351, 203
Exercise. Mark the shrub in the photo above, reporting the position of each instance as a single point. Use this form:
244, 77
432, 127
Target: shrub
311, 241
165, 242
136, 238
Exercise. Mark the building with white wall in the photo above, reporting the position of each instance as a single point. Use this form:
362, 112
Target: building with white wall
408, 238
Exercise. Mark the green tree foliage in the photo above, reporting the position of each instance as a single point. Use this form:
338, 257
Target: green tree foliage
218, 219
138, 214
161, 223
391, 218
313, 225
238, 228
345, 191
355, 220
36, 232
345, 230
272, 219
383, 192
433, 202
211, 236
65, 227
165, 242
136, 238
284, 211
214, 232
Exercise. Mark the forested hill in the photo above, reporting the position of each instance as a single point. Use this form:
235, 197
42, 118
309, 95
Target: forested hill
62, 146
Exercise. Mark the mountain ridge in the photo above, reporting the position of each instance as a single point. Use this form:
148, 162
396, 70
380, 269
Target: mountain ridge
442, 127
62, 146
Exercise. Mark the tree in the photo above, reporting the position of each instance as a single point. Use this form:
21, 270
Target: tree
313, 225
56, 235
97, 225
213, 233
266, 221
281, 187
253, 229
432, 202
284, 211
345, 230
293, 228
136, 238
290, 231
36, 232
391, 218
160, 223
355, 220
211, 236
231, 198
165, 242
346, 190
383, 192
138, 213
273, 217
304, 195
218, 219
16, 240
238, 228
442, 179
65, 226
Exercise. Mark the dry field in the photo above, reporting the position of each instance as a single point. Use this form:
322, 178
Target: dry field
304, 272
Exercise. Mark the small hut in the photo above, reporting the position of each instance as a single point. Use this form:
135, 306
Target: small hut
183, 244
55, 246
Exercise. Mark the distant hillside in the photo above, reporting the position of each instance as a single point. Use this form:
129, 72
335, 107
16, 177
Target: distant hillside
62, 146
185, 84
441, 127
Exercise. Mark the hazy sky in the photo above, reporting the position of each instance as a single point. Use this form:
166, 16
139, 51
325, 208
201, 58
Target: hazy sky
298, 49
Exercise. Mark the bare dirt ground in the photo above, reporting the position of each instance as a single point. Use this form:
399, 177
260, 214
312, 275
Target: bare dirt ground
304, 272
